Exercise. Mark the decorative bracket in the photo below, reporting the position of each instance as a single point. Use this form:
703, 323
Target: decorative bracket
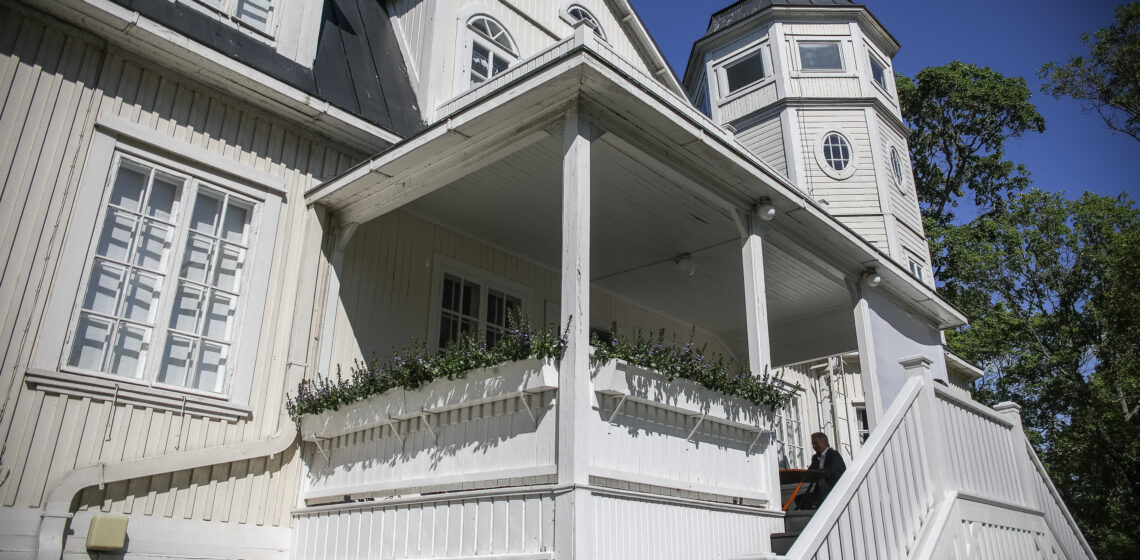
395, 430
424, 418
689, 438
526, 407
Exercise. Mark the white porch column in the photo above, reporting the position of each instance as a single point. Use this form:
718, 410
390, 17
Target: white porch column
861, 310
572, 506
755, 295
340, 238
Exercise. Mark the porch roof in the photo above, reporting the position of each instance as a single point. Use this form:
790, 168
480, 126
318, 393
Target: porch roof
520, 111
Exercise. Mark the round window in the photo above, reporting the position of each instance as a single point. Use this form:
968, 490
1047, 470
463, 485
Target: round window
835, 154
896, 166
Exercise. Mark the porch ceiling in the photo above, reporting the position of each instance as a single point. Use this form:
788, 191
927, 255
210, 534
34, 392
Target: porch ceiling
642, 218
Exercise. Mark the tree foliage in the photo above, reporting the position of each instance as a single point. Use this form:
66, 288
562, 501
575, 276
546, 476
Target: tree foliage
1106, 81
1053, 289
961, 116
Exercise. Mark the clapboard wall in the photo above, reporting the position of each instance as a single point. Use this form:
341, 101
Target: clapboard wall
55, 83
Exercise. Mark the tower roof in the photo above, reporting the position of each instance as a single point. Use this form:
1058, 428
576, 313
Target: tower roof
744, 8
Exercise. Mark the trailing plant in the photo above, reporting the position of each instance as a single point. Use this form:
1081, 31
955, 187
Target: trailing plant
687, 361
413, 366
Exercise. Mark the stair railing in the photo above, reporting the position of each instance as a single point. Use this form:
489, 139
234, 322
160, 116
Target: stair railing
882, 502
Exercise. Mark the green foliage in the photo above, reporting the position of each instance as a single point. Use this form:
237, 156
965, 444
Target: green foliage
961, 116
689, 362
1053, 287
414, 366
1108, 79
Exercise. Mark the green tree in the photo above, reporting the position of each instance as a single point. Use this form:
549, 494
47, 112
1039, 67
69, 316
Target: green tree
1107, 81
961, 116
1053, 289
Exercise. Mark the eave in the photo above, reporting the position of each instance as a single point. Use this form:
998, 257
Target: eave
514, 110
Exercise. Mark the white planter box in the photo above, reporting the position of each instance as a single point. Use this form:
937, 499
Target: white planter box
481, 386
680, 395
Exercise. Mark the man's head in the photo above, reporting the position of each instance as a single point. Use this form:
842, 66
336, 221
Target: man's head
819, 442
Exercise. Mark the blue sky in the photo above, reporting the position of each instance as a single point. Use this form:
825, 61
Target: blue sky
1015, 37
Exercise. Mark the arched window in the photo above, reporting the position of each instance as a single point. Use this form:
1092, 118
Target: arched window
577, 13
835, 154
492, 49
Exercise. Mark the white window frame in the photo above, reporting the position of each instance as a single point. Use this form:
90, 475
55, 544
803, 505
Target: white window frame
872, 59
572, 21
226, 11
443, 266
897, 170
467, 46
821, 160
790, 432
115, 137
842, 43
720, 71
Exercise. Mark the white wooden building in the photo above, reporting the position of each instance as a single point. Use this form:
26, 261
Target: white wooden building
204, 202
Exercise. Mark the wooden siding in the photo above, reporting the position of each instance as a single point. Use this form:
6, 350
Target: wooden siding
54, 83
749, 103
628, 527
817, 29
816, 86
904, 202
765, 139
490, 525
469, 445
415, 18
386, 288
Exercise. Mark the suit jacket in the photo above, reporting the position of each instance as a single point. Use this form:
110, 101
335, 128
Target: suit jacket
832, 467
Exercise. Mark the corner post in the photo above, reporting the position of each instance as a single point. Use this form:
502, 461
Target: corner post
573, 508
868, 367
1025, 469
931, 434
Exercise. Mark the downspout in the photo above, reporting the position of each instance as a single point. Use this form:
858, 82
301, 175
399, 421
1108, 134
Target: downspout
56, 514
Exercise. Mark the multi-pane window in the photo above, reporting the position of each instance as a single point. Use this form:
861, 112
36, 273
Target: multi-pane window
878, 72
165, 280
578, 13
492, 49
469, 307
836, 151
790, 435
743, 71
257, 14
861, 424
822, 55
915, 268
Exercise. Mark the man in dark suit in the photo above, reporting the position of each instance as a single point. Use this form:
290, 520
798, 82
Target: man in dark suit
828, 466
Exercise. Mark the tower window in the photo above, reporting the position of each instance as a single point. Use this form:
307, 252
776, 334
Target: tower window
821, 56
896, 166
744, 71
492, 49
878, 72
835, 154
836, 151
577, 13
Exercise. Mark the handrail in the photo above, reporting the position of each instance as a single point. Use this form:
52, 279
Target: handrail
1059, 504
825, 525
974, 406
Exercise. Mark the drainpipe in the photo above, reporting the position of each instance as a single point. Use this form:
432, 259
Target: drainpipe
57, 512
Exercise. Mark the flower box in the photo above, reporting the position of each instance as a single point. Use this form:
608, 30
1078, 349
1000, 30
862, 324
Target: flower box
619, 378
481, 386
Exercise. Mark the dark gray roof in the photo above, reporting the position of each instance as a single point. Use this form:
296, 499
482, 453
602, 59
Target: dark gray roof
358, 66
744, 8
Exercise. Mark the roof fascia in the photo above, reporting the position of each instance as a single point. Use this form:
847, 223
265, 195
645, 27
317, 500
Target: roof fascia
741, 178
635, 29
136, 34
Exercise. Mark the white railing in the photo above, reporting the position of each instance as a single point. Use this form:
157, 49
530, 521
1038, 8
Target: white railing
980, 459
1057, 516
882, 502
932, 452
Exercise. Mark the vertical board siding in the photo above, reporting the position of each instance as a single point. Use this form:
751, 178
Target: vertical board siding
53, 85
414, 17
648, 441
981, 460
386, 289
473, 441
515, 523
549, 14
630, 528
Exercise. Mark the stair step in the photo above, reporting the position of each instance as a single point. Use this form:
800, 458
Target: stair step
782, 542
795, 521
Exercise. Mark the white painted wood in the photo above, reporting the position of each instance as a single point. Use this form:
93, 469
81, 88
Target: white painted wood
755, 294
